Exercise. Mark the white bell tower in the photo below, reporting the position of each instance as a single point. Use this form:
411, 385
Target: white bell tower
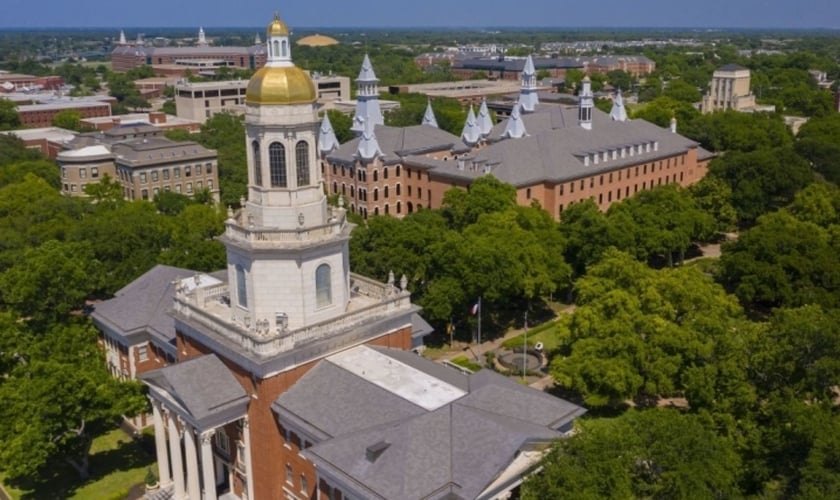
288, 260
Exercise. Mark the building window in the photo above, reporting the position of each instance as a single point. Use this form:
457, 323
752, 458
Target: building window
528, 193
398, 190
143, 352
198, 185
255, 147
375, 175
208, 167
82, 173
155, 192
144, 194
166, 174
177, 172
222, 441
241, 287
187, 171
302, 163
210, 184
143, 178
376, 194
304, 483
94, 172
189, 188
398, 170
277, 164
177, 188
323, 286
290, 475
154, 176
386, 192
399, 207
385, 173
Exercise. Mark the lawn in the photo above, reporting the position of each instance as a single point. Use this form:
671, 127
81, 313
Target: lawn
545, 333
117, 463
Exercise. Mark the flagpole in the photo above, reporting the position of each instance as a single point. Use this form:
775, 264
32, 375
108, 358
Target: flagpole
479, 320
525, 347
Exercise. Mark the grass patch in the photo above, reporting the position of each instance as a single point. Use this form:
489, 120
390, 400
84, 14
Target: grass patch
117, 463
462, 361
545, 333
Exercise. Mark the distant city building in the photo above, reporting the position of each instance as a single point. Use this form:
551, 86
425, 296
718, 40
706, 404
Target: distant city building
507, 68
42, 114
16, 82
201, 100
141, 160
157, 118
48, 140
466, 91
730, 89
317, 40
201, 57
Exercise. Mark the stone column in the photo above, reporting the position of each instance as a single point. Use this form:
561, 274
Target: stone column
177, 463
208, 467
246, 437
160, 446
193, 488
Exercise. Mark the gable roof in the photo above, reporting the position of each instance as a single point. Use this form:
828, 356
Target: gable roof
139, 310
201, 387
402, 141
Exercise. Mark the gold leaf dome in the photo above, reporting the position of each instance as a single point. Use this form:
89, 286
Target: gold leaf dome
277, 27
280, 85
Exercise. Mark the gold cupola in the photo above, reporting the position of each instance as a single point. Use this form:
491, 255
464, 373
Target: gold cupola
280, 81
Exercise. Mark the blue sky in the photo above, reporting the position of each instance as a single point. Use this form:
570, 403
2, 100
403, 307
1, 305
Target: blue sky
422, 13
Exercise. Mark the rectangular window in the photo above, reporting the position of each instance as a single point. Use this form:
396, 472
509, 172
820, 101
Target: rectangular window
189, 188
144, 194
143, 178
222, 442
601, 181
177, 172
94, 172
241, 286
82, 173
210, 184
143, 353
304, 483
198, 185
290, 475
208, 167
154, 176
166, 174
177, 188
187, 171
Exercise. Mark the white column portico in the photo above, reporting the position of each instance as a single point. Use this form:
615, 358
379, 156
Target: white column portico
208, 467
193, 485
246, 433
177, 463
160, 446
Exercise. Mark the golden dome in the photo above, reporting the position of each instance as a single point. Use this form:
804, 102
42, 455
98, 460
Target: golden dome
317, 41
277, 27
283, 85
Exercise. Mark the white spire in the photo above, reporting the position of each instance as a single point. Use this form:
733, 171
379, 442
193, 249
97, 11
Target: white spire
586, 102
485, 121
367, 98
122, 38
202, 40
366, 73
279, 48
618, 113
257, 40
368, 145
327, 140
471, 133
673, 125
515, 127
528, 94
429, 116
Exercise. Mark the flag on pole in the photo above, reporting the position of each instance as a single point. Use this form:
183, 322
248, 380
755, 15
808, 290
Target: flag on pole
476, 308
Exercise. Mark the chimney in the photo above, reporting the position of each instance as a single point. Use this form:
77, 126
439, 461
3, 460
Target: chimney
673, 125
156, 117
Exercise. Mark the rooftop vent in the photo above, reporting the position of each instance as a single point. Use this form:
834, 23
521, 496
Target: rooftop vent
375, 450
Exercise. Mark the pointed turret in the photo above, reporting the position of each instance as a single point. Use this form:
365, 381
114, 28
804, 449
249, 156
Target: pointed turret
586, 102
257, 40
429, 116
202, 40
368, 145
528, 97
485, 121
327, 141
673, 126
618, 113
515, 127
367, 98
122, 38
471, 133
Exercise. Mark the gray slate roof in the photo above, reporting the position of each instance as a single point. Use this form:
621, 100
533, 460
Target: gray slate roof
140, 309
395, 142
458, 448
202, 386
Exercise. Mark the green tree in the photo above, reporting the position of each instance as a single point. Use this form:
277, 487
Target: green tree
341, 123
9, 118
682, 91
69, 119
819, 142
225, 133
642, 454
620, 79
17, 172
56, 398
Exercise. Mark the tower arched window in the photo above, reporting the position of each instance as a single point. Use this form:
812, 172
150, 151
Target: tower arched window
241, 286
399, 191
376, 195
277, 164
255, 148
302, 163
386, 192
276, 49
323, 286
284, 50
375, 175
